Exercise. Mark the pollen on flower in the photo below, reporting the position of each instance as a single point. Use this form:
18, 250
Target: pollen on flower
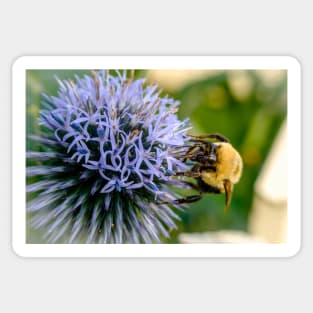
108, 147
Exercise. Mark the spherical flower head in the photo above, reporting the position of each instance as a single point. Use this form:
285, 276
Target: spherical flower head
108, 148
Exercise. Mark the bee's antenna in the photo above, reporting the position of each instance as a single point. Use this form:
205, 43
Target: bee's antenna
208, 136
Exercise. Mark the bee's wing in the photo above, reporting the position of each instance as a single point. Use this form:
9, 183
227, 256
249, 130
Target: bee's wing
228, 186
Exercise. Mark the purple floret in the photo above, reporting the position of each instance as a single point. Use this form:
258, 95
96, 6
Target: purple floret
110, 145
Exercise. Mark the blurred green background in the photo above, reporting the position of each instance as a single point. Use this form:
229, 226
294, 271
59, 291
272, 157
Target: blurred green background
246, 106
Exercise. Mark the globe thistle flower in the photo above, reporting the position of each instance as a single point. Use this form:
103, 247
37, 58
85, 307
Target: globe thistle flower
108, 146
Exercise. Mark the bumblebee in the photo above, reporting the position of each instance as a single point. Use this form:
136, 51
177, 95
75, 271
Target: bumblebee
217, 167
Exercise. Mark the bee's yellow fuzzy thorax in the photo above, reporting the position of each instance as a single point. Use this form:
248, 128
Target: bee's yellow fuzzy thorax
228, 167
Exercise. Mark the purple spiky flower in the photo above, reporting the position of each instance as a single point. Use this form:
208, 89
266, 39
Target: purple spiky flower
107, 151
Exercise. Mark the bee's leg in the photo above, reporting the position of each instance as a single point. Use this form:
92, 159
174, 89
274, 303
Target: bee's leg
188, 174
189, 199
191, 153
186, 184
194, 172
215, 136
189, 146
184, 157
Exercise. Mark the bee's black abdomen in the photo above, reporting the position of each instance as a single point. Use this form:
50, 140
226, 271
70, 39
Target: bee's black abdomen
209, 168
207, 188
